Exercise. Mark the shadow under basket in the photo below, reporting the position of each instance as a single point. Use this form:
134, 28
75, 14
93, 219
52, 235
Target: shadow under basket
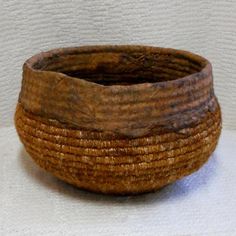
118, 119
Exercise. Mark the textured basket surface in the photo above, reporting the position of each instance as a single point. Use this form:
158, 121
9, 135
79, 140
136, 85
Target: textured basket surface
121, 132
93, 161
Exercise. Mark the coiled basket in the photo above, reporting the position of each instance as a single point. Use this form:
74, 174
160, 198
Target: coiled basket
118, 119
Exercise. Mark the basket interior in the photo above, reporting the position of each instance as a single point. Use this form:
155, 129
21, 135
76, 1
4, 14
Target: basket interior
121, 68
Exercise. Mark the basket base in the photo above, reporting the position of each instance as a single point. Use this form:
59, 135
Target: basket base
98, 163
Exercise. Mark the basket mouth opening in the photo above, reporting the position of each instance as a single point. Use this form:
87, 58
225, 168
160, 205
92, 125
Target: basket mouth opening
120, 65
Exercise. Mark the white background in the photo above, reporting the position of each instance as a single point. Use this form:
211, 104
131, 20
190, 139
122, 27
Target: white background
206, 27
32, 202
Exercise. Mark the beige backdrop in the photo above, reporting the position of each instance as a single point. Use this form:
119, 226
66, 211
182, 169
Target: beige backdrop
204, 27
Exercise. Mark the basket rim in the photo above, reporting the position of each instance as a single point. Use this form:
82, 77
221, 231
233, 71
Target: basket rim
205, 71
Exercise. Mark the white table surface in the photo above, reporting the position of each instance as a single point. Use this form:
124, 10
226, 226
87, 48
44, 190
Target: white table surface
32, 202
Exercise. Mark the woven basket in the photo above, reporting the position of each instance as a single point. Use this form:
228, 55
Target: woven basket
118, 119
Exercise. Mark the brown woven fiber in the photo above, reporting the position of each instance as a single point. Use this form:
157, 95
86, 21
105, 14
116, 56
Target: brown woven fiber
118, 119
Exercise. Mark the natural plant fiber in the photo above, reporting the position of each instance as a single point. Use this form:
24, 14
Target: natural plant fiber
105, 119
